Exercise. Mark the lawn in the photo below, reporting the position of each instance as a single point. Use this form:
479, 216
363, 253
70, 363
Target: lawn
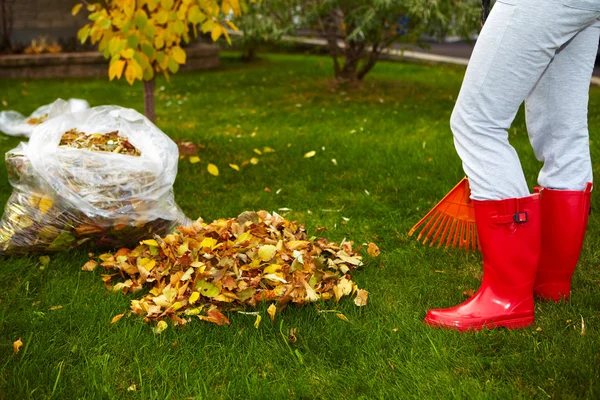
394, 159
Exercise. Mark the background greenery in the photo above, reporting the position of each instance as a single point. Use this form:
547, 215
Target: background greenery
395, 159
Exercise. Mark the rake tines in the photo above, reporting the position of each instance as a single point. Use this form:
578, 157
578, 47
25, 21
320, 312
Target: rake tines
452, 221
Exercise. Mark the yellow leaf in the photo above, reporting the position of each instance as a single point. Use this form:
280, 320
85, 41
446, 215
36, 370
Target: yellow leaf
267, 252
254, 161
181, 250
268, 150
194, 159
362, 297
45, 205
257, 322
137, 69
232, 26
116, 69
116, 318
159, 42
127, 53
166, 4
150, 242
160, 327
272, 268
76, 8
235, 166
216, 32
213, 170
194, 297
272, 310
130, 74
310, 154
170, 293
257, 151
208, 242
17, 345
342, 317
207, 26
178, 54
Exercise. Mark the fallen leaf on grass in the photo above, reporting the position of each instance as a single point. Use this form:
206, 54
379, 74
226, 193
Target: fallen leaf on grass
310, 154
342, 317
257, 322
54, 308
215, 317
292, 336
254, 161
44, 261
132, 388
235, 166
89, 266
373, 250
272, 310
116, 318
468, 292
160, 327
17, 345
362, 297
213, 170
194, 159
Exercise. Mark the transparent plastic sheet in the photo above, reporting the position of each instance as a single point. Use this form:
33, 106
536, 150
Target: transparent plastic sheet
65, 197
14, 123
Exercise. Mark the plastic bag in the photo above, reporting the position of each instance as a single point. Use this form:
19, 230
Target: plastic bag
64, 197
14, 123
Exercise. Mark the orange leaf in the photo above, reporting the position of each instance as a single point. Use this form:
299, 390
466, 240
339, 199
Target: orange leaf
17, 345
116, 318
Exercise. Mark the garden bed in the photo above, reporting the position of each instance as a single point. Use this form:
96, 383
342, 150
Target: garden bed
88, 64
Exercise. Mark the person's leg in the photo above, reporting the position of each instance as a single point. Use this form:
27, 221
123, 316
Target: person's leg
556, 113
516, 45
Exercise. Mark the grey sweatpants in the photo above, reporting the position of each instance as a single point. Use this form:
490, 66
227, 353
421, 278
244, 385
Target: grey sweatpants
542, 52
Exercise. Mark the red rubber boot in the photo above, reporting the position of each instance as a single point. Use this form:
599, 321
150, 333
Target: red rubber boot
564, 222
509, 234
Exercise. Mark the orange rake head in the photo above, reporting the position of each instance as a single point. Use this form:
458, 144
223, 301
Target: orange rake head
452, 220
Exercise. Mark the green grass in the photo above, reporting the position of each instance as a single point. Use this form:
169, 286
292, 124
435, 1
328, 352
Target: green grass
391, 138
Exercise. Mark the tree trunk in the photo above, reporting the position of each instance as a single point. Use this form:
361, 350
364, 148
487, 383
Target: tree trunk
249, 54
149, 100
7, 22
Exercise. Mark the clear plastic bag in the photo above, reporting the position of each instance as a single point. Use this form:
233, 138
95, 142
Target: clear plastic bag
64, 197
14, 123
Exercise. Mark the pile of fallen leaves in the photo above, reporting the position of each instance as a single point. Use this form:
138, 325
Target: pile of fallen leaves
204, 269
110, 142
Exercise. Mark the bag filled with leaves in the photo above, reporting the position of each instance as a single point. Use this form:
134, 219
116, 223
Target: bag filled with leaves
102, 176
14, 123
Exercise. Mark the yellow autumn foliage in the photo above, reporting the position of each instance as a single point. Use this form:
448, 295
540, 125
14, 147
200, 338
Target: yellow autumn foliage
145, 37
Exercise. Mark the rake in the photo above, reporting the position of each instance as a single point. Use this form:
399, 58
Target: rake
451, 221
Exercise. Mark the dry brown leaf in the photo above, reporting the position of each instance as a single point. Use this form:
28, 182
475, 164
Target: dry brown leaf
89, 266
362, 297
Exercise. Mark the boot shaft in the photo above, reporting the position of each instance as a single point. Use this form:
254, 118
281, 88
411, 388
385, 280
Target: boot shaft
510, 236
